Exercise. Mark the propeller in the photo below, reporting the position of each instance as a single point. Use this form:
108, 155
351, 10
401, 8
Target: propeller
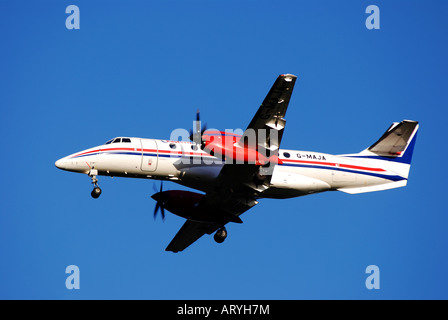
196, 136
160, 197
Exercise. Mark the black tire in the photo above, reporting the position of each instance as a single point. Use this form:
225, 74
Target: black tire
96, 192
220, 235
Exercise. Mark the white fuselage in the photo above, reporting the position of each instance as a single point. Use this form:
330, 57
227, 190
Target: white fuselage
298, 172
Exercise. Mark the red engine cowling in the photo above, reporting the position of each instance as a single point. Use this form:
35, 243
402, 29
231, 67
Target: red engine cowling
185, 204
222, 145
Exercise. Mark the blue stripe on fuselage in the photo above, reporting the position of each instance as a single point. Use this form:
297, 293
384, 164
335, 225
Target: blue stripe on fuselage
383, 176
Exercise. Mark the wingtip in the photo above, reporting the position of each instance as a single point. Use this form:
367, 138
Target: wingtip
288, 77
410, 121
285, 75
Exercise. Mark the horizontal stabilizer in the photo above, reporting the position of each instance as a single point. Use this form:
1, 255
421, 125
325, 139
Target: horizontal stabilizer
387, 186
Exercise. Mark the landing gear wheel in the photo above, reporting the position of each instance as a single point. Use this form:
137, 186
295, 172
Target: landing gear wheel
96, 192
220, 235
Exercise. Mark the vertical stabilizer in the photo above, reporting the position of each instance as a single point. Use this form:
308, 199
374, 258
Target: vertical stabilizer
395, 146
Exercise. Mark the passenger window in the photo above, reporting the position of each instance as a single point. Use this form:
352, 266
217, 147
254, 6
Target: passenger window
194, 147
117, 140
127, 140
286, 154
172, 146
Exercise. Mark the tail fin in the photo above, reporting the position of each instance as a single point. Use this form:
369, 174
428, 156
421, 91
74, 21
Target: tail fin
396, 146
396, 141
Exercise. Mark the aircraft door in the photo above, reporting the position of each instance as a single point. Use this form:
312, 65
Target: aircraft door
149, 155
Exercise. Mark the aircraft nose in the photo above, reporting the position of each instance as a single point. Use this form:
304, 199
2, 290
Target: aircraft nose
60, 164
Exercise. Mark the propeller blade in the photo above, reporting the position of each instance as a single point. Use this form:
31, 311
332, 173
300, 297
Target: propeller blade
156, 209
159, 197
198, 121
197, 131
163, 212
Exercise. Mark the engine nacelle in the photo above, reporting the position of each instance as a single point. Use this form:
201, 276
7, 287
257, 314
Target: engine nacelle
185, 204
199, 176
226, 147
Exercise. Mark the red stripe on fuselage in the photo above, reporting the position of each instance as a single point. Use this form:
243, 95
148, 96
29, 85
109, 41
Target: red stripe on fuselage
331, 164
337, 165
84, 153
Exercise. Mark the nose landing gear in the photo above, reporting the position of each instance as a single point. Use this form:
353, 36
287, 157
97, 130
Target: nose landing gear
96, 192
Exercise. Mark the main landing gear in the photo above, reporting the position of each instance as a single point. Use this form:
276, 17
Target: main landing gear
96, 192
220, 235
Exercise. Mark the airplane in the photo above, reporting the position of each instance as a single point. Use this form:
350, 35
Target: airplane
235, 170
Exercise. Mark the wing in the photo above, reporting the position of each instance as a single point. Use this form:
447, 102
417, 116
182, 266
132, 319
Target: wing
189, 233
270, 117
230, 209
237, 186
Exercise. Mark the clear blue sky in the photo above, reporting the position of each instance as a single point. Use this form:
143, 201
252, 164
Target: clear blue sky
142, 68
